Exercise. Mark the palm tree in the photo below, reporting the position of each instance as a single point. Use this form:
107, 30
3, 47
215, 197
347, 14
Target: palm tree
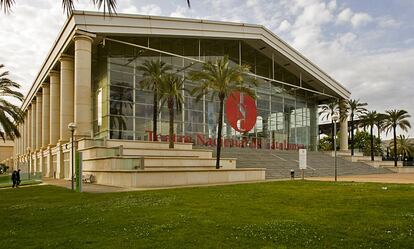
10, 114
354, 108
404, 146
152, 72
368, 120
171, 91
221, 80
328, 110
69, 6
395, 119
380, 123
123, 98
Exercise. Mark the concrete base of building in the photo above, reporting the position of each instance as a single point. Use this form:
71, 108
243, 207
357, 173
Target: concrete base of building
168, 178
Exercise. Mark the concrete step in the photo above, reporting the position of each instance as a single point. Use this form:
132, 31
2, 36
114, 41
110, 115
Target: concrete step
279, 163
146, 144
148, 163
168, 152
227, 163
167, 178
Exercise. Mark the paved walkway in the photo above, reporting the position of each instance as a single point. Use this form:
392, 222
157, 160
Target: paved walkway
406, 178
87, 187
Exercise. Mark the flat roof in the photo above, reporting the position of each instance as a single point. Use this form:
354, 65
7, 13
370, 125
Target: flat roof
130, 24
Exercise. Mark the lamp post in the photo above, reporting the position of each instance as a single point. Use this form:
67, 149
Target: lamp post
335, 119
72, 127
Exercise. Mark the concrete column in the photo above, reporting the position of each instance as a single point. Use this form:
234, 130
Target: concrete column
344, 133
19, 145
49, 164
54, 107
33, 127
16, 144
20, 149
83, 85
59, 163
66, 96
45, 115
24, 134
29, 127
39, 127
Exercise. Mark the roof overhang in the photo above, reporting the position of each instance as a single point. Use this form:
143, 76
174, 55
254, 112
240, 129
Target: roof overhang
125, 24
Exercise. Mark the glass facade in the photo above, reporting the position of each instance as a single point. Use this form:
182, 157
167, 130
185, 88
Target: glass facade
286, 116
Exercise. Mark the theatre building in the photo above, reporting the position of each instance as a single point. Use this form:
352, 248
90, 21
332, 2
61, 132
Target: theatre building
91, 77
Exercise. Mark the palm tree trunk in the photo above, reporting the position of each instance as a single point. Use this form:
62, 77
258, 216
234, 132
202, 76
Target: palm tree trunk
395, 146
352, 134
220, 126
155, 117
171, 132
379, 131
372, 143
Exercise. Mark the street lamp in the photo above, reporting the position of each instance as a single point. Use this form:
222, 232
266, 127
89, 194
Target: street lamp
335, 119
72, 127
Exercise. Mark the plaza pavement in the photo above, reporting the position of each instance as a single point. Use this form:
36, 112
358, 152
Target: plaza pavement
403, 178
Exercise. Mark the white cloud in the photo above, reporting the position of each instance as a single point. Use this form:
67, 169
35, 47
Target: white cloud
150, 9
359, 19
284, 26
388, 22
345, 15
356, 19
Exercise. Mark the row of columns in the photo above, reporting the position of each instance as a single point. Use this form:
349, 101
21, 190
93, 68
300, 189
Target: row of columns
66, 98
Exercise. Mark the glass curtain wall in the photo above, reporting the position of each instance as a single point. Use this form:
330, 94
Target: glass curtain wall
286, 118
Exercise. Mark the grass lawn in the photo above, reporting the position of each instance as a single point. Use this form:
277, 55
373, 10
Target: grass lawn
289, 214
5, 181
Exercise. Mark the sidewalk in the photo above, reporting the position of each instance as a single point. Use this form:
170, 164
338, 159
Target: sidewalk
405, 178
86, 187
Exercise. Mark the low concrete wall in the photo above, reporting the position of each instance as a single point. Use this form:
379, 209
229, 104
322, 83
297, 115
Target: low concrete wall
149, 178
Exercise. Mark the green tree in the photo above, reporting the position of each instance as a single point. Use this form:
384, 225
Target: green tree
362, 141
368, 120
355, 109
396, 119
171, 92
221, 80
153, 72
325, 144
404, 146
327, 111
10, 114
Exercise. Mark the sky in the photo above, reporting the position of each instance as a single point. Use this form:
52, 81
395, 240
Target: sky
367, 46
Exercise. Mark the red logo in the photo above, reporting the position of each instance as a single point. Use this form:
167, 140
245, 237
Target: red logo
241, 111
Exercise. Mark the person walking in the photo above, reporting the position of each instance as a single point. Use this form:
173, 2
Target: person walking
14, 179
18, 177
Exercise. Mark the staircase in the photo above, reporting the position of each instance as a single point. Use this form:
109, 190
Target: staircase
278, 163
152, 164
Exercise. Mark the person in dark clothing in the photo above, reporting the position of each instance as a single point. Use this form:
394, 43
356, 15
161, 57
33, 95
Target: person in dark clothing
14, 178
18, 177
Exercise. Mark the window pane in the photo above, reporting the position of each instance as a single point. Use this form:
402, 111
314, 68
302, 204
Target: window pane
121, 93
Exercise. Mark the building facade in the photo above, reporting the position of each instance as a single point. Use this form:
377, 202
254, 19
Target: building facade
91, 77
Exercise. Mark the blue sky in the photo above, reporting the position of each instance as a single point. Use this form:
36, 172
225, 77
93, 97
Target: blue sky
368, 46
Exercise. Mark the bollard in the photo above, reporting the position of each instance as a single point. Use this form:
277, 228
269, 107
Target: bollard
292, 174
